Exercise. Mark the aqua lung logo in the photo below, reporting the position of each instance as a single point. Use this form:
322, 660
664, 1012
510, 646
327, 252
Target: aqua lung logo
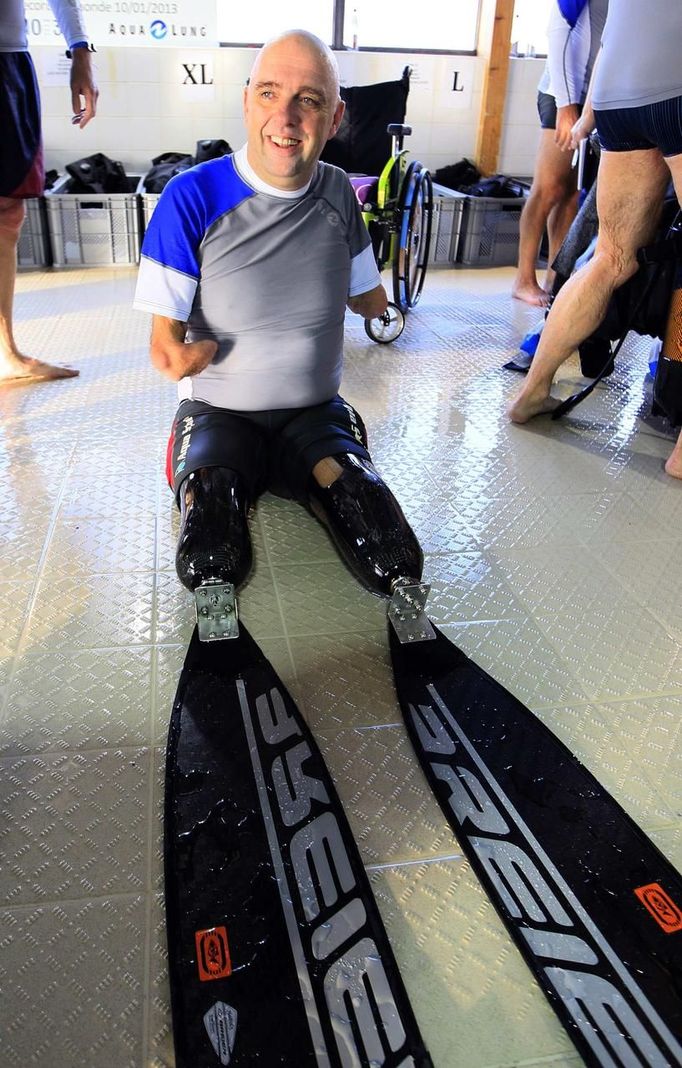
603, 999
348, 993
157, 30
187, 425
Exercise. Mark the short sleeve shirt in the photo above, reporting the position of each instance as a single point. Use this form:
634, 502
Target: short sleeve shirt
266, 275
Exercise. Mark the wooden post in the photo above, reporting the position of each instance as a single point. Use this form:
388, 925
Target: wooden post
494, 43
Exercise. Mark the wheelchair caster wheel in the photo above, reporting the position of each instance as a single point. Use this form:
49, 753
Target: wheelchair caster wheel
387, 327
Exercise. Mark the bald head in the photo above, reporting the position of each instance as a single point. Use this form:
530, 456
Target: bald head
306, 42
291, 108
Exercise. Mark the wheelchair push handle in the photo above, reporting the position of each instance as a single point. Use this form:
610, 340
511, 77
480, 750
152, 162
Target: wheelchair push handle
398, 131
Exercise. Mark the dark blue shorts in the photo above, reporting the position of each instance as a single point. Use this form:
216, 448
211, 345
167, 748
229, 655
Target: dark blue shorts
22, 173
547, 111
274, 450
656, 125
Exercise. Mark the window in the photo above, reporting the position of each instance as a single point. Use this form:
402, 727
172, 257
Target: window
400, 25
255, 23
529, 28
428, 25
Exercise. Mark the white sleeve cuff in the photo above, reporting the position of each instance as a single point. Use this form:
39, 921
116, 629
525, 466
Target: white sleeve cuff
364, 274
163, 291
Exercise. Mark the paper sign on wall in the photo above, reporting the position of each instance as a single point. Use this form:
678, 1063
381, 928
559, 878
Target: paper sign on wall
133, 23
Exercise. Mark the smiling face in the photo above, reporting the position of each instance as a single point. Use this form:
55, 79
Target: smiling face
291, 108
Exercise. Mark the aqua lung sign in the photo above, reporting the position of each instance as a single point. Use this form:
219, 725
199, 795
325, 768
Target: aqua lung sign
130, 23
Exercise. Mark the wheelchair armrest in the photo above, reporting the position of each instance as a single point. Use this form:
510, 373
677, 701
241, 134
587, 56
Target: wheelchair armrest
397, 129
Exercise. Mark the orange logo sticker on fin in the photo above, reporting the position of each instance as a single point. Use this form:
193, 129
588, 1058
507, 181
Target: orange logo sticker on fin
213, 953
661, 906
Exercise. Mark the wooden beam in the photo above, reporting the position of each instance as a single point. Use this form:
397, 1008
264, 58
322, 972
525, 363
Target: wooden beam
494, 43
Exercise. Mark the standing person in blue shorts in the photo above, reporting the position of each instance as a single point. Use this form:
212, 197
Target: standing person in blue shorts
22, 172
574, 37
247, 266
637, 102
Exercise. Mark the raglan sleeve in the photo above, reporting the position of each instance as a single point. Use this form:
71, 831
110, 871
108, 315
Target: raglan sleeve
169, 265
568, 51
69, 16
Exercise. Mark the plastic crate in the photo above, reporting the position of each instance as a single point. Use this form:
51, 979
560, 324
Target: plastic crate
148, 201
34, 248
93, 229
448, 208
490, 231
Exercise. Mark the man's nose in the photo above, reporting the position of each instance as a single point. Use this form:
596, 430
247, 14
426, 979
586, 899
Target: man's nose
288, 113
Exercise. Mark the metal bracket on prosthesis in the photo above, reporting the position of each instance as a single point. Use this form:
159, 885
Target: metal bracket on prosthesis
406, 613
217, 616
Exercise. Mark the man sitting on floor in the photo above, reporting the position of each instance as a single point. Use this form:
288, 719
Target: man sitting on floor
247, 266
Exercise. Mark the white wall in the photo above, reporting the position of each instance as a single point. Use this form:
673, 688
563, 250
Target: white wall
145, 108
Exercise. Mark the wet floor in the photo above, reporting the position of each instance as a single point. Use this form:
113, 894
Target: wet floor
553, 552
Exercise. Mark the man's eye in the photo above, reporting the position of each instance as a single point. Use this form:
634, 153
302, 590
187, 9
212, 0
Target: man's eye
310, 101
266, 94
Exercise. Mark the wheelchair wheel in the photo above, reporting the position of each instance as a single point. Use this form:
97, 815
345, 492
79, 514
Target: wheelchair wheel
387, 327
415, 210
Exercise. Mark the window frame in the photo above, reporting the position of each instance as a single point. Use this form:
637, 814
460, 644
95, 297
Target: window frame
337, 45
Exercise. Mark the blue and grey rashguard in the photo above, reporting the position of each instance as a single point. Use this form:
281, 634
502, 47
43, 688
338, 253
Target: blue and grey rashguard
264, 273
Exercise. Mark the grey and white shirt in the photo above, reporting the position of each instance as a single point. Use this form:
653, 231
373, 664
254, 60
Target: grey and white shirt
264, 273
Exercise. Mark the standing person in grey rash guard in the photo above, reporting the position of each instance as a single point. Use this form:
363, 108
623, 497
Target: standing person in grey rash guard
636, 101
248, 264
22, 171
574, 36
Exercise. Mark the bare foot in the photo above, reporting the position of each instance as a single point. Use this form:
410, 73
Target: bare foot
673, 464
18, 368
529, 404
530, 293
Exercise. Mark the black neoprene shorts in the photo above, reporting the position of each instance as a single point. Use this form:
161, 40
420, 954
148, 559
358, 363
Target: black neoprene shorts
274, 450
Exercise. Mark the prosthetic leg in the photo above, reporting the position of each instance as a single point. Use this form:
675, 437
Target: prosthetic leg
214, 554
374, 539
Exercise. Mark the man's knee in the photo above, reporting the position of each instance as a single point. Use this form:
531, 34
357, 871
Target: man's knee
614, 264
365, 520
11, 217
214, 543
555, 190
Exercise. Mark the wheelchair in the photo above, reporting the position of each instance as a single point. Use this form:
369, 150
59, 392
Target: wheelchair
396, 202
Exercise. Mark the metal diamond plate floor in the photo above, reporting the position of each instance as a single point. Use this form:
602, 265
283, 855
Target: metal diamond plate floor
553, 554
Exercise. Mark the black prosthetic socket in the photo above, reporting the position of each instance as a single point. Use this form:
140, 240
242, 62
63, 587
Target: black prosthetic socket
367, 524
214, 543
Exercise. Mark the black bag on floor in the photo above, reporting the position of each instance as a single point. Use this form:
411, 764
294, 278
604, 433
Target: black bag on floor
457, 175
211, 149
498, 185
164, 167
98, 174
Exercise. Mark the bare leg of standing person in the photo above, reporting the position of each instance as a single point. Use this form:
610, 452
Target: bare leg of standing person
630, 189
553, 196
14, 366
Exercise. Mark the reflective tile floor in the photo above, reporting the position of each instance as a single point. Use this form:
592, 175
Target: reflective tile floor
554, 557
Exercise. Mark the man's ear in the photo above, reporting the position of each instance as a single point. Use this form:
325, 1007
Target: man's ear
245, 97
336, 121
